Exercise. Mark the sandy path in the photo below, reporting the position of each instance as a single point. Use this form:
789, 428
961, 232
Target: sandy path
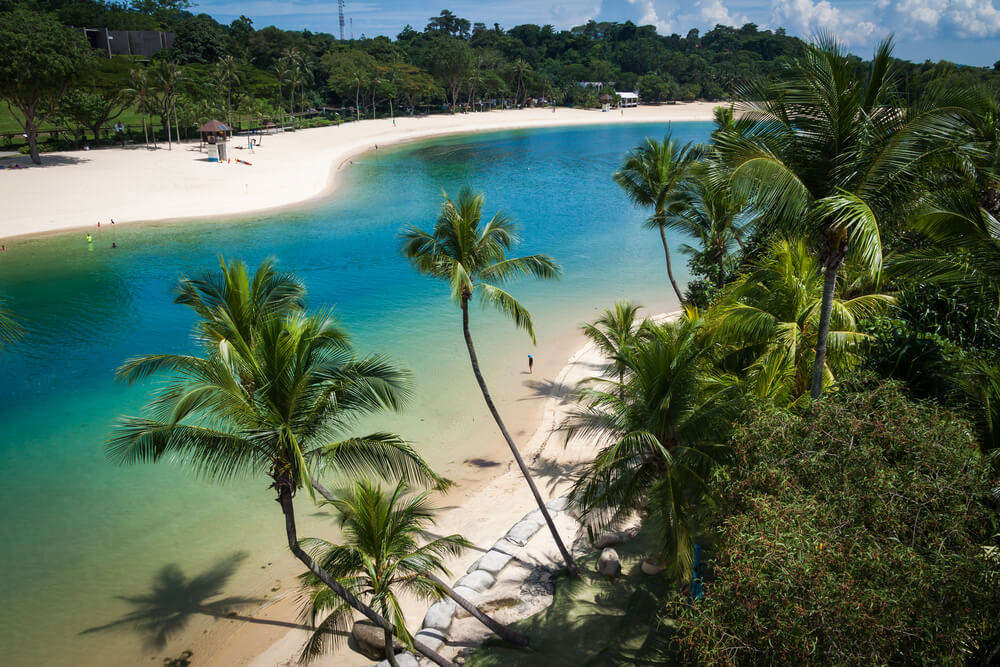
79, 188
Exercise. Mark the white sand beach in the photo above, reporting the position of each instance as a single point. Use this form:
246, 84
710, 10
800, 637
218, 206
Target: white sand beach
78, 189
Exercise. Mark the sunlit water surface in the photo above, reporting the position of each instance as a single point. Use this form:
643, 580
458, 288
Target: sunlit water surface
84, 543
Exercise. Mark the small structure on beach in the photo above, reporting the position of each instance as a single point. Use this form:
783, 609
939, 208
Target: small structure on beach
627, 99
215, 134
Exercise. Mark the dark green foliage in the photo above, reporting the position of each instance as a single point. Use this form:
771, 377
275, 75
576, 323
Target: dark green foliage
853, 534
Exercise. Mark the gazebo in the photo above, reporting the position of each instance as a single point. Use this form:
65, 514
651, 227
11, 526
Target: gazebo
213, 133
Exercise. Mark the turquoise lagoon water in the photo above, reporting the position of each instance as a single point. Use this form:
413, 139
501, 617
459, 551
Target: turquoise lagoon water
108, 565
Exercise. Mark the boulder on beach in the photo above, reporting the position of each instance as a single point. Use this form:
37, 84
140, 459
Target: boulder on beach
609, 564
470, 595
369, 640
439, 615
652, 565
477, 580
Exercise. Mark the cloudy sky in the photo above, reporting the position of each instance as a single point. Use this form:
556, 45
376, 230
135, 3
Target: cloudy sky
964, 31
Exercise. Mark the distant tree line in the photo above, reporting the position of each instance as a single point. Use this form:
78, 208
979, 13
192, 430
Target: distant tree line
237, 71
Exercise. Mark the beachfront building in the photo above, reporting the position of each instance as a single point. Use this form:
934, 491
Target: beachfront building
627, 99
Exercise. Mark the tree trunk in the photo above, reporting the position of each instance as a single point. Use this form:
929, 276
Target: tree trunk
390, 652
567, 557
670, 267
284, 489
497, 628
826, 308
32, 132
500, 630
170, 145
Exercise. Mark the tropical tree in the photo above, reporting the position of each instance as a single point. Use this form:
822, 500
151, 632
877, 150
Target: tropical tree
39, 59
827, 154
164, 78
472, 258
716, 219
658, 431
767, 324
653, 176
272, 395
380, 557
616, 330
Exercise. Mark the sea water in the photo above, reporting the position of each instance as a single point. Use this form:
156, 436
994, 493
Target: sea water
101, 564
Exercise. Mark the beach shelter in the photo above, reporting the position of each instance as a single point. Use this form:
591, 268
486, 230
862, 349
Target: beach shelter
213, 133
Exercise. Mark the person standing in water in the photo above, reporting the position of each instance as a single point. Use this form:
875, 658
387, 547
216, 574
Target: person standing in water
531, 364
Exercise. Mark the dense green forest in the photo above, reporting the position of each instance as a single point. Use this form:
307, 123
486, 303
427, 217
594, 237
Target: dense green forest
244, 74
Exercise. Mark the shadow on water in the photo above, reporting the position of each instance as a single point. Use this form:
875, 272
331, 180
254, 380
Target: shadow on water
174, 598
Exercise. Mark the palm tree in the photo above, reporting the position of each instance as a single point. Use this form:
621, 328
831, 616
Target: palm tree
380, 558
164, 77
827, 155
271, 395
653, 176
711, 214
472, 258
768, 323
613, 332
657, 430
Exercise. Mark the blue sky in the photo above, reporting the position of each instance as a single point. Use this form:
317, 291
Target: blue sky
964, 31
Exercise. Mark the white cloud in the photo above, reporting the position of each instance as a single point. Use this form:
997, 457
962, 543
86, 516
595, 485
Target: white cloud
648, 15
712, 12
928, 18
808, 18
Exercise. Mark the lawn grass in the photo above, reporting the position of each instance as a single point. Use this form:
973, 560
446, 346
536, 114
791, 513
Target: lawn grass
593, 620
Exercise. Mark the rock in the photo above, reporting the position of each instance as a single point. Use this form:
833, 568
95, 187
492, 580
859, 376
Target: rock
492, 562
609, 564
522, 531
432, 639
439, 615
652, 565
477, 580
404, 660
369, 640
558, 504
535, 516
607, 540
470, 595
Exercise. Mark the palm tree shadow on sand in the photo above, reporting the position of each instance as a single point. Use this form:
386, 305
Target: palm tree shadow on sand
174, 599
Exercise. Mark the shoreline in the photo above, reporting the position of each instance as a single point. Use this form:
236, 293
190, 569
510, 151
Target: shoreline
483, 514
289, 170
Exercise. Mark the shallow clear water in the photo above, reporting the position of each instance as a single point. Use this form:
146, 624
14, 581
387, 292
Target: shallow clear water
78, 533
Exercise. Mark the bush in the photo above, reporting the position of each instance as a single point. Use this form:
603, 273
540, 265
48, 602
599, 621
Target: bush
853, 534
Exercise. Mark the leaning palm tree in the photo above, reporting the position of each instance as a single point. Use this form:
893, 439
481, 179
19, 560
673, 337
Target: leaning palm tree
379, 558
658, 432
828, 155
653, 176
271, 395
613, 332
767, 324
711, 214
472, 258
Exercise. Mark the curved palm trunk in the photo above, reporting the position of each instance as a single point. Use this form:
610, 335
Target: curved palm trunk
670, 266
285, 500
825, 310
500, 630
567, 557
390, 652
497, 628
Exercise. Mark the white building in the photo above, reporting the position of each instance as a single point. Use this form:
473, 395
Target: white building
628, 99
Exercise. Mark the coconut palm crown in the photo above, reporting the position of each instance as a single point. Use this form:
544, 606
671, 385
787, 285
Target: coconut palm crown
828, 155
471, 256
380, 557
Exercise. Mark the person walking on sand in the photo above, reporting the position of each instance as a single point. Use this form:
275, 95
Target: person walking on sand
531, 364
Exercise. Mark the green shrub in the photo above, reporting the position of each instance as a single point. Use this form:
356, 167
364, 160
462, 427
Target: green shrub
854, 534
